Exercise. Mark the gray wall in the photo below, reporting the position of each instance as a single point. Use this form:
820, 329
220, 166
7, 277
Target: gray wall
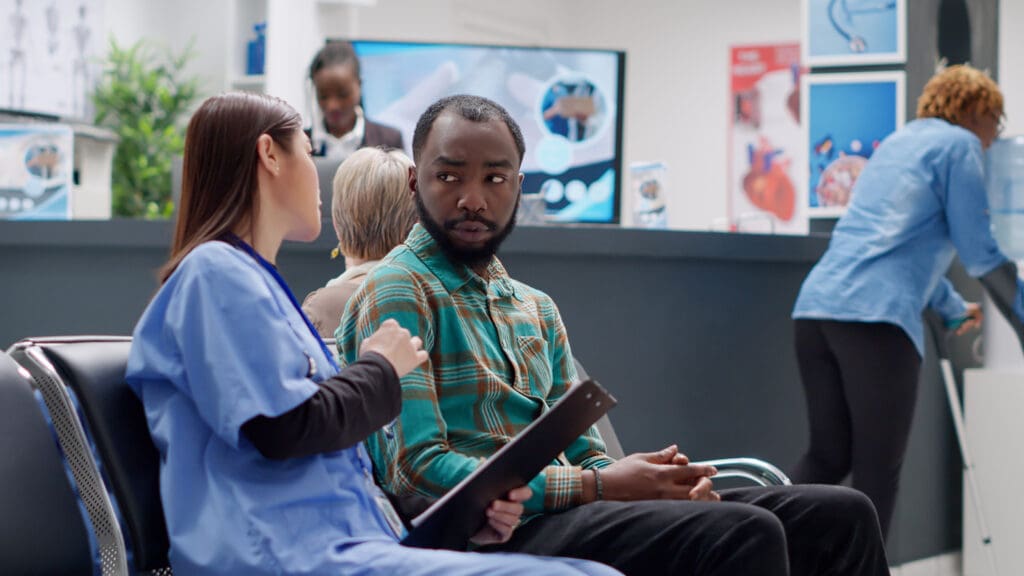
974, 39
690, 331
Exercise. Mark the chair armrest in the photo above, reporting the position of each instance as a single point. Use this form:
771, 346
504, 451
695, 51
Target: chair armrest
757, 471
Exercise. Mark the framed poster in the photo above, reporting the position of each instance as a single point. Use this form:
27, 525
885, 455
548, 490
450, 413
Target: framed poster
846, 117
35, 171
854, 32
764, 140
51, 55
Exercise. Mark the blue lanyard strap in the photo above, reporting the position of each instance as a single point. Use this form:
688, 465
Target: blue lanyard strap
237, 242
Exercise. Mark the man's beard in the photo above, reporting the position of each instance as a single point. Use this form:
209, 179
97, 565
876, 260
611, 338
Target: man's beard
472, 257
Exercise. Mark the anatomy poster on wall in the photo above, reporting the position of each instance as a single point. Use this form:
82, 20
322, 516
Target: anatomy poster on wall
763, 139
854, 32
848, 116
50, 54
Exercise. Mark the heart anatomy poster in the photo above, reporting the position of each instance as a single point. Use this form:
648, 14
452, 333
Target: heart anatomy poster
764, 138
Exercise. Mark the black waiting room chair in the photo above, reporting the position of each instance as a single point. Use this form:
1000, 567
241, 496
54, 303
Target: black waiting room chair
92, 368
42, 530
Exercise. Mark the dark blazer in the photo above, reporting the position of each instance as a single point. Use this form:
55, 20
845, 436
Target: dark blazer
380, 135
374, 134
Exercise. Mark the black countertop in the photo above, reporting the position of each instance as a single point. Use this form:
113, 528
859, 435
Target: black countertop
580, 240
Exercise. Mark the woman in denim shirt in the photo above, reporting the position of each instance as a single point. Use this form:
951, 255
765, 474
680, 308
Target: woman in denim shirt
858, 328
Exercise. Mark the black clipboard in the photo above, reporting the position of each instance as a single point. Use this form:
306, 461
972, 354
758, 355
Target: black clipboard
451, 521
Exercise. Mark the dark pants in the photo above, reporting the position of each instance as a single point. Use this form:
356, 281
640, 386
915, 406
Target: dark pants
799, 530
861, 385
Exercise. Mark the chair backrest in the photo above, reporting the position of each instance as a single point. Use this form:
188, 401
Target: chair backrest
42, 530
94, 368
611, 441
78, 457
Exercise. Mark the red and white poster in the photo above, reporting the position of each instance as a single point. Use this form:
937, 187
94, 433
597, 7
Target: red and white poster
764, 138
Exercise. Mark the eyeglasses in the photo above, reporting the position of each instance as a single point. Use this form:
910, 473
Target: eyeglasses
1000, 122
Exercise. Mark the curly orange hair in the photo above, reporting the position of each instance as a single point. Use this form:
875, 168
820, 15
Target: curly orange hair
960, 94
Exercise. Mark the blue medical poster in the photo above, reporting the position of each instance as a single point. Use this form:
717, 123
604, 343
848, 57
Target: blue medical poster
848, 116
35, 171
854, 32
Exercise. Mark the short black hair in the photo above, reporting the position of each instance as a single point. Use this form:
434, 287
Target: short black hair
334, 52
472, 108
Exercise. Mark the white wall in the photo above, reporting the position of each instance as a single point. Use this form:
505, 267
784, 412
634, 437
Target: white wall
172, 24
541, 22
676, 65
1011, 73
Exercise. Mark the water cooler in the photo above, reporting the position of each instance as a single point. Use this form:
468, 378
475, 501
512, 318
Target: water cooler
994, 395
1005, 182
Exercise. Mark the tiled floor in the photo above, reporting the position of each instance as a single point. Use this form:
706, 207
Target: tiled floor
944, 565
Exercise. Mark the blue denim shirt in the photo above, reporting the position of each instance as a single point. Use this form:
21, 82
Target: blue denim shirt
920, 199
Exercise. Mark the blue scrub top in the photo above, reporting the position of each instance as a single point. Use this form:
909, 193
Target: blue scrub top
221, 343
920, 199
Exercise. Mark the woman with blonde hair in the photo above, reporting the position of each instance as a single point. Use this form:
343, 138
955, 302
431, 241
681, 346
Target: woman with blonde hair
858, 330
373, 211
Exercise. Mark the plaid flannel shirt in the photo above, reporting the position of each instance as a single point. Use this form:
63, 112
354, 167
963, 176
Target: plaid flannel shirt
499, 358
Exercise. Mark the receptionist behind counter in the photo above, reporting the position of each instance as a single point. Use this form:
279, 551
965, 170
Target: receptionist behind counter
338, 87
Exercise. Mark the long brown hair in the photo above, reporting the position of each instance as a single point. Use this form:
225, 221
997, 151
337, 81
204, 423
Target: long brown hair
218, 187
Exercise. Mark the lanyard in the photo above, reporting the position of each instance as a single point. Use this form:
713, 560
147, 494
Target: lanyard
390, 515
237, 242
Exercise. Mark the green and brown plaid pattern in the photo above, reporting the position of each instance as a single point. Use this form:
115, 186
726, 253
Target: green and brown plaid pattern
499, 358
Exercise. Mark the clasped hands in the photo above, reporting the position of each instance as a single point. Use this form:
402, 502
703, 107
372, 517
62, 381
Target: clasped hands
663, 475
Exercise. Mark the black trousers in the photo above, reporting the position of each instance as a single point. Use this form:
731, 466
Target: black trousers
799, 530
860, 381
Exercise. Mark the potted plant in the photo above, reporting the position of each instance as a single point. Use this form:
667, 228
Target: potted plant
143, 96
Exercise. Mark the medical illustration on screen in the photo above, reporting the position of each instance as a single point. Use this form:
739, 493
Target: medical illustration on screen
566, 102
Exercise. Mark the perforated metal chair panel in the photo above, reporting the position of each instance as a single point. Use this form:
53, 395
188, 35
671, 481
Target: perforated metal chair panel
78, 457
94, 367
42, 530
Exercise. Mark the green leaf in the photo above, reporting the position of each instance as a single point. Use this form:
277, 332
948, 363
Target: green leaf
144, 97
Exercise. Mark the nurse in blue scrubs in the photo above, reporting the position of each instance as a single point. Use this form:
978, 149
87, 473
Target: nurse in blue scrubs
263, 469
859, 334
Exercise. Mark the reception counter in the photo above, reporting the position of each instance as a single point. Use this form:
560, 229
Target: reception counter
689, 330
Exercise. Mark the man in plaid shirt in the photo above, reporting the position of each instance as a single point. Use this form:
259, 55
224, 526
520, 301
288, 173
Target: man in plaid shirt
499, 357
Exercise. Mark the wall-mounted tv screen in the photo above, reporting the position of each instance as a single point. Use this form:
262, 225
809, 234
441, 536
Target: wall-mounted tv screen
567, 102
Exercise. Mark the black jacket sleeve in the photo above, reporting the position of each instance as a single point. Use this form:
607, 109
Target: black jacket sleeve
349, 407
